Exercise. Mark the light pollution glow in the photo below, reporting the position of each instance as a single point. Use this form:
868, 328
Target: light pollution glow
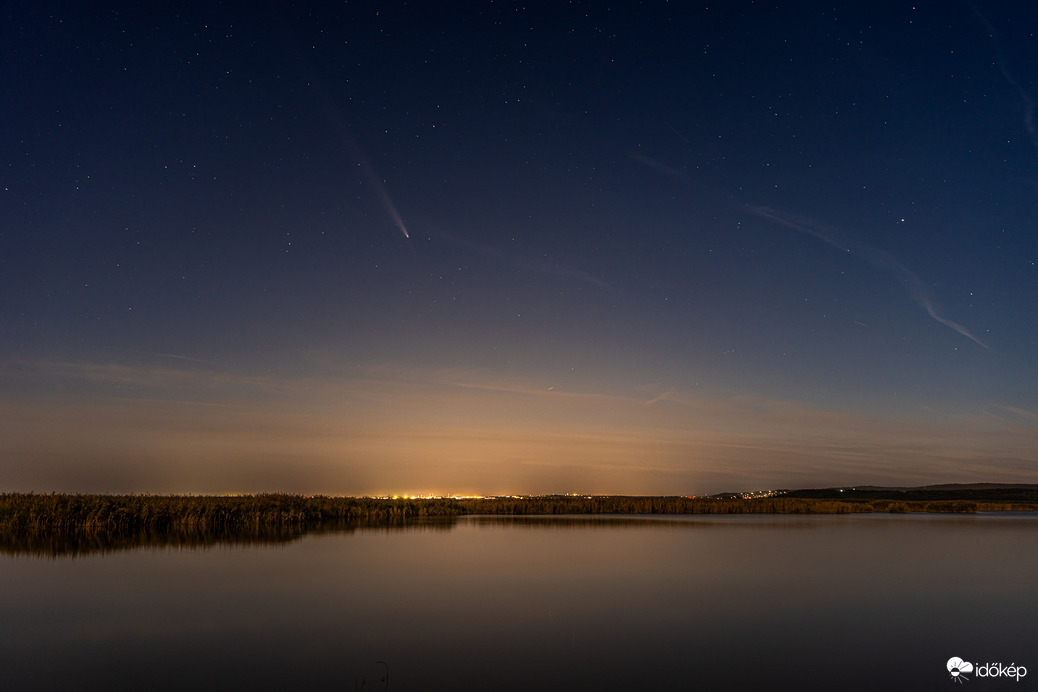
380, 431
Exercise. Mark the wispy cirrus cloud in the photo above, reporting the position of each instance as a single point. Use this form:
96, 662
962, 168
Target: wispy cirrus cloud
917, 289
1007, 74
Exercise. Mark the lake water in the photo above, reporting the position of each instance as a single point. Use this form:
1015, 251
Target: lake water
866, 602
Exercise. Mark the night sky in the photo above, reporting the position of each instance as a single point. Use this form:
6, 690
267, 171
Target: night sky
376, 248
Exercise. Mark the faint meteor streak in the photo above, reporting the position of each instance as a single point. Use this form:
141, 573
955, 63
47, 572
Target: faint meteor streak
881, 259
674, 130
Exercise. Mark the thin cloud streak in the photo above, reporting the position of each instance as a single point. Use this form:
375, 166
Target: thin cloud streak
384, 428
1003, 67
545, 266
917, 289
663, 168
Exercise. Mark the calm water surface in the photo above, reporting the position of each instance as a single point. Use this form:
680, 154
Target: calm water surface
870, 602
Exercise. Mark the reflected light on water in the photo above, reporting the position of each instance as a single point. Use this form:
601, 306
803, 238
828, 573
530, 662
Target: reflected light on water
506, 603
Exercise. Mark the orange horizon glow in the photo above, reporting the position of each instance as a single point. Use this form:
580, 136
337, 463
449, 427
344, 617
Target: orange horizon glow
122, 429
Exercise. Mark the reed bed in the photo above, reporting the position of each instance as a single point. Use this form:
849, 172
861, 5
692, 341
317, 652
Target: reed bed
158, 513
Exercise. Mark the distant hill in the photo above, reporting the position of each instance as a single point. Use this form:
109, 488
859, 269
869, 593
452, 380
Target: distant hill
973, 492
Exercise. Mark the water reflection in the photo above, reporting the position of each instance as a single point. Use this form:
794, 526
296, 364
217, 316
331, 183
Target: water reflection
84, 541
532, 603
682, 522
61, 543
749, 521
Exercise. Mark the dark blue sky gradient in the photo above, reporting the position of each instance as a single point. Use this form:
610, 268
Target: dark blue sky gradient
709, 248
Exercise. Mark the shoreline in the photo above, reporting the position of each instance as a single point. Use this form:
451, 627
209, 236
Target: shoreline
61, 525
21, 512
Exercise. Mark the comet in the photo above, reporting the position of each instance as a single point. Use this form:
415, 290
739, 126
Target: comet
383, 194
